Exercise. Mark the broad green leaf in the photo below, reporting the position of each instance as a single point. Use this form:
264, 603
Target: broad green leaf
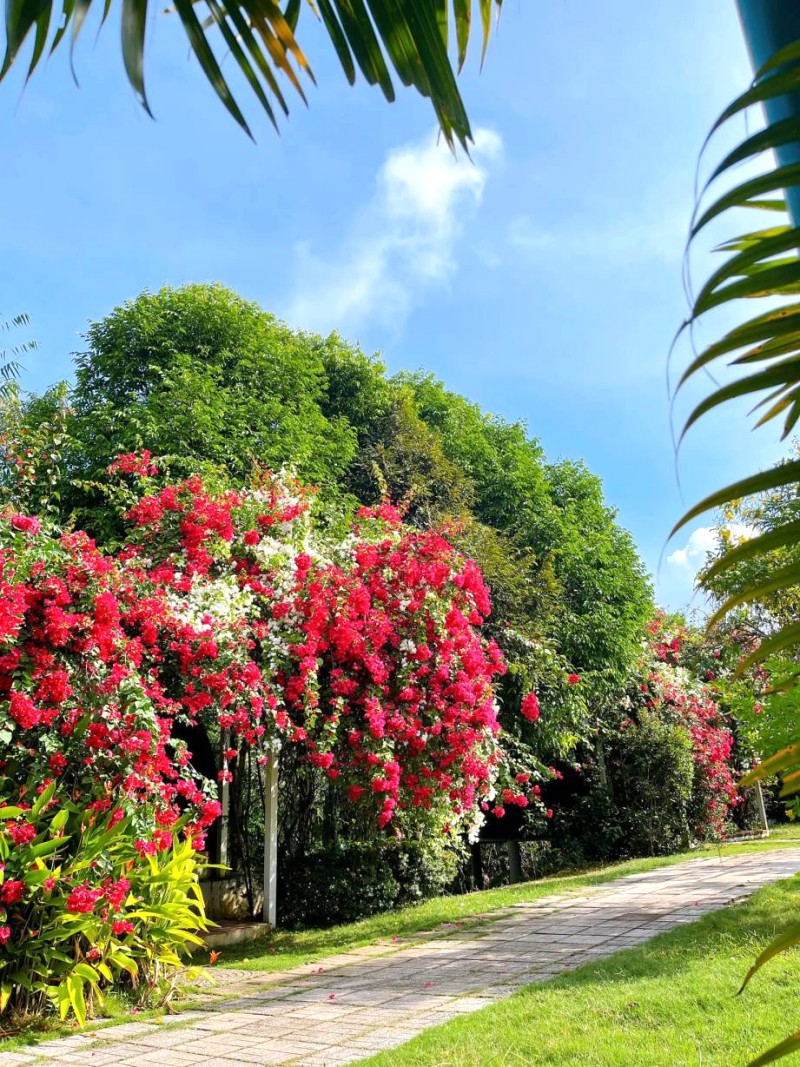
43, 800
779, 178
87, 972
777, 1052
134, 24
785, 474
786, 939
784, 578
773, 765
76, 997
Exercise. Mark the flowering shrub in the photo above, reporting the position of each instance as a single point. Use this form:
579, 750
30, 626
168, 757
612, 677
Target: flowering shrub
671, 691
366, 653
82, 907
229, 609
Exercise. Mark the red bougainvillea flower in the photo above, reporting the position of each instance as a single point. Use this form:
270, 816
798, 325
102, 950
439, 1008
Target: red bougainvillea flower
530, 707
25, 523
573, 679
12, 892
230, 609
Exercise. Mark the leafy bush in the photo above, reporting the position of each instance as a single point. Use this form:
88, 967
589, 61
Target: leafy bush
651, 775
82, 908
360, 878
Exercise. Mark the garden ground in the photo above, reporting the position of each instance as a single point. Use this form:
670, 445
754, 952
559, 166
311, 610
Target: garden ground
374, 998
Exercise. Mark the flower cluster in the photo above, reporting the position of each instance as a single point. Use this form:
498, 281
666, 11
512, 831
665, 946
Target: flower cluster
228, 608
671, 689
366, 653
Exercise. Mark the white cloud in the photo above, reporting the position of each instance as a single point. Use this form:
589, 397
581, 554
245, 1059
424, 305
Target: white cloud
702, 541
403, 242
693, 553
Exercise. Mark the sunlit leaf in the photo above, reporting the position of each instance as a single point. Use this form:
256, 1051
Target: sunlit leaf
383, 38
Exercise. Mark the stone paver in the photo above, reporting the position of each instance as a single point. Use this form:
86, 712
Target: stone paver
358, 1003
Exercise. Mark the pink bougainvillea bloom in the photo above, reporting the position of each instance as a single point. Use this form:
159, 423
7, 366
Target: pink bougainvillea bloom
530, 707
26, 524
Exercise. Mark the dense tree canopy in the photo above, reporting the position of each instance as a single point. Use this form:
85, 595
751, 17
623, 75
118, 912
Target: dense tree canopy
216, 384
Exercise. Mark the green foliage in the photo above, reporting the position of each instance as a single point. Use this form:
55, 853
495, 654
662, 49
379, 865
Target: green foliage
651, 774
214, 384
765, 350
729, 574
347, 882
68, 958
761, 573
201, 374
10, 365
606, 597
259, 40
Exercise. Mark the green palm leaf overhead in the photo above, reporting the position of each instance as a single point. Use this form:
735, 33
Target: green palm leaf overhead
387, 40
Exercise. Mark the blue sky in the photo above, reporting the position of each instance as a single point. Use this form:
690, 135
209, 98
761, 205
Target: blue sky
542, 279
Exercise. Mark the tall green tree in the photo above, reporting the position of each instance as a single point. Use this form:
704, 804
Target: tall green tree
216, 384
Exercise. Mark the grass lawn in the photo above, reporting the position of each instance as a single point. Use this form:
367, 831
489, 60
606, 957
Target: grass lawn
669, 1002
284, 949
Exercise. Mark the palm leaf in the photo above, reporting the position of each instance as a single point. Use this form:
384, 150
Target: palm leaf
785, 940
765, 349
384, 39
10, 358
777, 1052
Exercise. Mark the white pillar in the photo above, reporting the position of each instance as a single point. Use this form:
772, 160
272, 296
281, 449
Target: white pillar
762, 811
225, 801
271, 840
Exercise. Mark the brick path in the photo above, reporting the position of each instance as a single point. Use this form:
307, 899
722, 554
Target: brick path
374, 998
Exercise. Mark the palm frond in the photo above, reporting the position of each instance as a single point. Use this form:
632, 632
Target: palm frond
10, 357
764, 350
381, 38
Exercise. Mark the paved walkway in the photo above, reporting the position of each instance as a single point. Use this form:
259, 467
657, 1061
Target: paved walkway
353, 1005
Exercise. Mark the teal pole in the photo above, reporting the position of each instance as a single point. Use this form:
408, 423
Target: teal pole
770, 25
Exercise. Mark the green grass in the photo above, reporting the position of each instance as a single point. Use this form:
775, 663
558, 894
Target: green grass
669, 1003
285, 949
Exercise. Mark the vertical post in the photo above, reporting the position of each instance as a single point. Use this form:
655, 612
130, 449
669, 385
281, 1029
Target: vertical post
225, 801
770, 25
271, 840
762, 811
